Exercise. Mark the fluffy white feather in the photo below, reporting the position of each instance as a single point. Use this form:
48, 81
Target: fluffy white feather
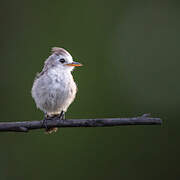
54, 88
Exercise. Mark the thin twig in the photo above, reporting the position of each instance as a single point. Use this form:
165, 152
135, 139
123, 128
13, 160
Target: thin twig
25, 126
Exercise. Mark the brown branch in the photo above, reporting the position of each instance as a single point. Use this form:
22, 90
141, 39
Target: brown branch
25, 126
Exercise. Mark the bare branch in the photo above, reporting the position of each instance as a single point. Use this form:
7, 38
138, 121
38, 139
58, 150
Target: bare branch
25, 126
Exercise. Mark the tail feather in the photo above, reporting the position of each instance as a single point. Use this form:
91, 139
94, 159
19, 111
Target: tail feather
51, 130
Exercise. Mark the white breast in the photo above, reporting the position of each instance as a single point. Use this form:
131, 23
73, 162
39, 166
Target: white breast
54, 91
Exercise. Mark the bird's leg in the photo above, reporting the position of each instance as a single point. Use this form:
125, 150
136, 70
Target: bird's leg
62, 115
48, 130
44, 123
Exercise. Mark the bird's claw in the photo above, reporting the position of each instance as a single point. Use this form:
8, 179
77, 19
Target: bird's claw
61, 117
44, 123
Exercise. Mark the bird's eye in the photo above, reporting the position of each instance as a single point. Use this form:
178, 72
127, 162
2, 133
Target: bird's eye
62, 60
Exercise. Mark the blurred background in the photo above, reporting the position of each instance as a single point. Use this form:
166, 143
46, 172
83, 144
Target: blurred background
130, 51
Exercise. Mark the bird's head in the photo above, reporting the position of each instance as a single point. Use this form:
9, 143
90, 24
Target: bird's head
61, 59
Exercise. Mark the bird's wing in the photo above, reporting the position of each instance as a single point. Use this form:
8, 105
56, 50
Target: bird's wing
38, 75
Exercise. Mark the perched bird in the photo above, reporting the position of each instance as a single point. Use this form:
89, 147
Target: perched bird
54, 88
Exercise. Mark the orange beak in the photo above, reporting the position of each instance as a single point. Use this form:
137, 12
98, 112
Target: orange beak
74, 64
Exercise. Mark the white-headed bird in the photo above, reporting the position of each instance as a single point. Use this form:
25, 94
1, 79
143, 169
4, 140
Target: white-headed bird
54, 88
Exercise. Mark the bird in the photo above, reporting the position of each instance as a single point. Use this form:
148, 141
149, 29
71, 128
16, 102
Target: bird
54, 88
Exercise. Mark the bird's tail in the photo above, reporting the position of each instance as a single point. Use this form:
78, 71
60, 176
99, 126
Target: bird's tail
51, 130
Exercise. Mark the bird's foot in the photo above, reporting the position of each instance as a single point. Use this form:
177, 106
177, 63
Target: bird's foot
44, 124
61, 117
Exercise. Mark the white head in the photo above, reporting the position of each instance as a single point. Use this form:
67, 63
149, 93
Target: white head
60, 59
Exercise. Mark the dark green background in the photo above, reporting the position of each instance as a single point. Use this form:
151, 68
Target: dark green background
131, 56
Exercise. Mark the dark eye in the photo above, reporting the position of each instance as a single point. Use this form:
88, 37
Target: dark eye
62, 60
